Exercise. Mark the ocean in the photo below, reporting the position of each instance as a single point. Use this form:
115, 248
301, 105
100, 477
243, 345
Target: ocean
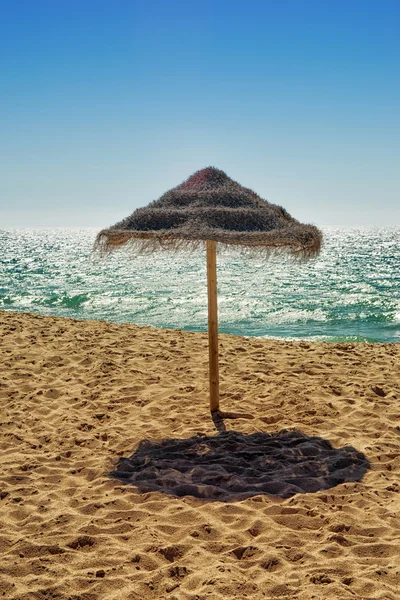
351, 292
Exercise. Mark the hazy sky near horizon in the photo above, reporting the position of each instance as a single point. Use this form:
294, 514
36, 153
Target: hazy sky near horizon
105, 105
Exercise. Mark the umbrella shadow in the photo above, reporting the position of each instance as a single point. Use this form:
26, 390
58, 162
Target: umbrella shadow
233, 466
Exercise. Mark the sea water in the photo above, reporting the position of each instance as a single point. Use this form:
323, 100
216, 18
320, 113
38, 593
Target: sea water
351, 292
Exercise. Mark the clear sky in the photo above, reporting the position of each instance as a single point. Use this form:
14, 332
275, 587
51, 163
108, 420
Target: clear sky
106, 104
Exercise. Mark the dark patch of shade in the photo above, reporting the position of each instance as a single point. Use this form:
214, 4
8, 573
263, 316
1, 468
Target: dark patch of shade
233, 466
211, 206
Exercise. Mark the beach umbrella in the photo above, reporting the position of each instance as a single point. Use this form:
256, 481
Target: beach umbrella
212, 208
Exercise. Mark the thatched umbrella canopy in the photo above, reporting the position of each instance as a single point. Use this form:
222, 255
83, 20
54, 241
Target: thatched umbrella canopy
211, 207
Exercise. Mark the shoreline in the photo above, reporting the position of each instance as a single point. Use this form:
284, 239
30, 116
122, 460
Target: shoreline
177, 329
79, 399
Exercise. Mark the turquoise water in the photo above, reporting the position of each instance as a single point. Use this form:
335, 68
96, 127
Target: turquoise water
351, 292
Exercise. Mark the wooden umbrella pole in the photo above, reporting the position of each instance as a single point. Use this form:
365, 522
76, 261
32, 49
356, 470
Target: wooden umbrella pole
213, 324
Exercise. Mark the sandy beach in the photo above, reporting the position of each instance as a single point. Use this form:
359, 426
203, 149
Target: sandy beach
115, 483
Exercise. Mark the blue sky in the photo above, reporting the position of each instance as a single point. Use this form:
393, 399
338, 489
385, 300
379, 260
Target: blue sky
104, 105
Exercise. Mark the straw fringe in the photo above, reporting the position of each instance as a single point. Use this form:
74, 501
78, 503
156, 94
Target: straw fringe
146, 242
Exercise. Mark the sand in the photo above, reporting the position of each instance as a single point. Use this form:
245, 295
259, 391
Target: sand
116, 484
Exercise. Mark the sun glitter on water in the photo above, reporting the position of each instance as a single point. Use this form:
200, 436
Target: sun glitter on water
350, 293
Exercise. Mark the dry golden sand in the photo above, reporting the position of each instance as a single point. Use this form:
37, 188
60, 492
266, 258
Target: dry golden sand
77, 397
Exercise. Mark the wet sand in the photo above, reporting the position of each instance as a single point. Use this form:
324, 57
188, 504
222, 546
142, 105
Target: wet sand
115, 483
